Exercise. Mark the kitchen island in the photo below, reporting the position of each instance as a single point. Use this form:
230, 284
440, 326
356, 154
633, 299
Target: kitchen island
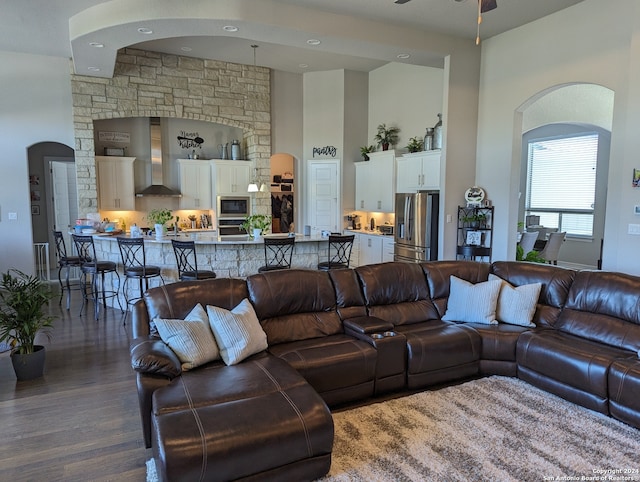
230, 256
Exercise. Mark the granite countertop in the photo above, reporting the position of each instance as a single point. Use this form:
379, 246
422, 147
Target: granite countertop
368, 232
212, 238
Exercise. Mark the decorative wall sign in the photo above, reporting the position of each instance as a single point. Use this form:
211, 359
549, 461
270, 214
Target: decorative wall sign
636, 178
35, 210
325, 151
106, 136
188, 140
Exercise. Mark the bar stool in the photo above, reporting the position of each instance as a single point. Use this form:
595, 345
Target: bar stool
277, 253
135, 266
185, 252
89, 265
339, 252
65, 262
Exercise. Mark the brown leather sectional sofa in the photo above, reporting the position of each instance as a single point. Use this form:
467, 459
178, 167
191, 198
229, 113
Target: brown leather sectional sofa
347, 335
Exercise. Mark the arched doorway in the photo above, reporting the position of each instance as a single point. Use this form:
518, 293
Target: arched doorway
53, 193
567, 110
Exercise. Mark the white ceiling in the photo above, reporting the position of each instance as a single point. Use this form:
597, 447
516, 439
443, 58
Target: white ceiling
355, 34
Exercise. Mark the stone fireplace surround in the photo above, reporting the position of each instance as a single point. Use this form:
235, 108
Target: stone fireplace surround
152, 84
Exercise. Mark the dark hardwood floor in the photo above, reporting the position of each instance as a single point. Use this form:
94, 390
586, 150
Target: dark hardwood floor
80, 421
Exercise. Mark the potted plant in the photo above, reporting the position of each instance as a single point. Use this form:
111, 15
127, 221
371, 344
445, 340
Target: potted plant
475, 220
256, 224
22, 318
531, 256
364, 150
387, 136
158, 217
415, 144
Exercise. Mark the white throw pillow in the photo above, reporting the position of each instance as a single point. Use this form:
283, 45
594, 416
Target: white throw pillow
517, 304
472, 303
238, 332
190, 339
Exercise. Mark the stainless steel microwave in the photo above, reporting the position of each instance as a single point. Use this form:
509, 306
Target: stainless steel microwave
235, 207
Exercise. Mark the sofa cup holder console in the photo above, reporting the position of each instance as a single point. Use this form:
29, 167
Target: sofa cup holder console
386, 334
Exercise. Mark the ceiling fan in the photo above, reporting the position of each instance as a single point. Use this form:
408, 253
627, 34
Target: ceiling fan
483, 7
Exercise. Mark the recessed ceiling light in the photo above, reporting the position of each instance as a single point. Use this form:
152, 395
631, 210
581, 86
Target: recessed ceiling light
403, 56
230, 28
145, 30
186, 49
97, 45
313, 41
94, 69
303, 66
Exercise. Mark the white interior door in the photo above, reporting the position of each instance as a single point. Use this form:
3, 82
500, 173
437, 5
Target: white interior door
324, 182
64, 203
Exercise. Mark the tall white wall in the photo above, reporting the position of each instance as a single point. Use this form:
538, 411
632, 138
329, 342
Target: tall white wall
406, 96
591, 42
35, 106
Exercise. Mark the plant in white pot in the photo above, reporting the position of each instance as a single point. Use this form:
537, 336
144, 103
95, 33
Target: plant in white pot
22, 298
256, 224
158, 217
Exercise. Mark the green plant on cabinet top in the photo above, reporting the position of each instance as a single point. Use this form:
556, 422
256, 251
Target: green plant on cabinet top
364, 150
386, 136
415, 144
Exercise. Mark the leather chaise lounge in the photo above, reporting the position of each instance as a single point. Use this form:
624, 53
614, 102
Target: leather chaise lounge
347, 335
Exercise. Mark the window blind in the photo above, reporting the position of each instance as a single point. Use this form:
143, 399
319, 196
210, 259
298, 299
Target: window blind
562, 173
561, 178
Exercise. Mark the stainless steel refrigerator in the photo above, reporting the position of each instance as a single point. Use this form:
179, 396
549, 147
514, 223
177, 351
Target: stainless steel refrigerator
416, 230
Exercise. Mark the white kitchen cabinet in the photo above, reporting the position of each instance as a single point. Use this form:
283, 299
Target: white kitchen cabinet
388, 246
232, 177
116, 190
375, 181
370, 249
418, 171
195, 184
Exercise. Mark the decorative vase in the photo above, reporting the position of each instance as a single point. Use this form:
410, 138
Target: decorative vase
385, 146
29, 365
256, 233
159, 230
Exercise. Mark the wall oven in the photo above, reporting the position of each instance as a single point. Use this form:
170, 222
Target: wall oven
231, 212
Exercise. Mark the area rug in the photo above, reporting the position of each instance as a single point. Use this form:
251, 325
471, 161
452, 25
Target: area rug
496, 428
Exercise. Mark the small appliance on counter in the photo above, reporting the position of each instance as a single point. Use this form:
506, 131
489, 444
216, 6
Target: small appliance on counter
386, 229
353, 218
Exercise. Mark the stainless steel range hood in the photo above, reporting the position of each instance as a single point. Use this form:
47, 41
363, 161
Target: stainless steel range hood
157, 187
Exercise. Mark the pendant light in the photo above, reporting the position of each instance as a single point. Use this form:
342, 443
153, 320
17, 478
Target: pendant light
255, 182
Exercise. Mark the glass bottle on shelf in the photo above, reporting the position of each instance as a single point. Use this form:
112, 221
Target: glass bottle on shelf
437, 133
428, 140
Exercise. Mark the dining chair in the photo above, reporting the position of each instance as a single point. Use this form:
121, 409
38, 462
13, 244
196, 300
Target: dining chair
185, 252
339, 252
551, 249
134, 262
528, 241
277, 253
91, 266
65, 262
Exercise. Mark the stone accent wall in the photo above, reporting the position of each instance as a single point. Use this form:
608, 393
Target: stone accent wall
152, 84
